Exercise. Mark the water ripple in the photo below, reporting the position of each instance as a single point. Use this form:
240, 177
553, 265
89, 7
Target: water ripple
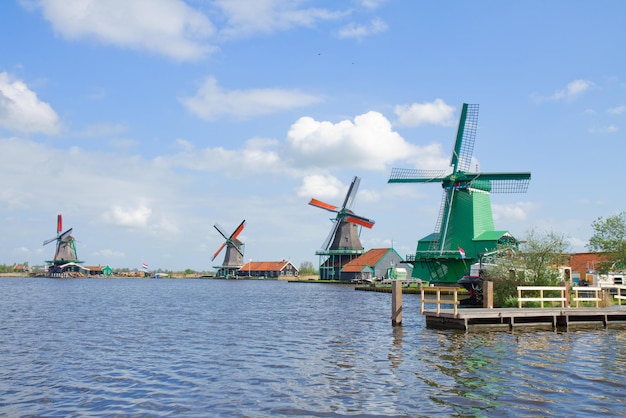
246, 348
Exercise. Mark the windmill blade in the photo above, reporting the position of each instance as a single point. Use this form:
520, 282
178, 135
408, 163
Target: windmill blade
504, 182
330, 237
64, 235
359, 220
320, 204
354, 187
48, 241
59, 223
444, 199
221, 231
410, 175
465, 137
445, 214
237, 246
218, 251
235, 234
496, 176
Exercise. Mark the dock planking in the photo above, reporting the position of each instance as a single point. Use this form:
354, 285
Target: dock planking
508, 319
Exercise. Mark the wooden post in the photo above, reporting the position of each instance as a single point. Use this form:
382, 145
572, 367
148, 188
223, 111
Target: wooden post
396, 303
487, 294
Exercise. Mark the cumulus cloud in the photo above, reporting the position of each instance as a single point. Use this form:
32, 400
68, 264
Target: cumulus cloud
211, 101
21, 110
321, 187
368, 142
572, 91
415, 114
168, 27
359, 31
174, 28
128, 217
518, 211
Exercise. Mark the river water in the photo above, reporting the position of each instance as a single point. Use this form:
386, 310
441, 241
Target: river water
203, 348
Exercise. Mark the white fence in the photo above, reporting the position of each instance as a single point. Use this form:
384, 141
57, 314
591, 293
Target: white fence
560, 295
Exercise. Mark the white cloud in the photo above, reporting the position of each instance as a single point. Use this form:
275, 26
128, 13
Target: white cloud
22, 111
371, 4
514, 212
211, 101
108, 253
572, 91
359, 31
174, 28
611, 129
168, 27
368, 142
133, 218
618, 110
321, 187
415, 114
267, 16
256, 156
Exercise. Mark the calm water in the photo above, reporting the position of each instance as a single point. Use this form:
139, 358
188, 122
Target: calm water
197, 348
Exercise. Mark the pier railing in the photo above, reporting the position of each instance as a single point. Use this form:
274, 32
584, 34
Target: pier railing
440, 295
542, 298
587, 294
548, 294
620, 293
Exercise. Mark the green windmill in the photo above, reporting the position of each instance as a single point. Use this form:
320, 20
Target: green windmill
465, 228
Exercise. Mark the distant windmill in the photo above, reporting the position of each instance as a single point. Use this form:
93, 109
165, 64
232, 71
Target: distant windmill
233, 258
465, 226
343, 242
65, 247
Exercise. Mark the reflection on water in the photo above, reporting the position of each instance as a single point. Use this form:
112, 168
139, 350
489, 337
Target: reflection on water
125, 347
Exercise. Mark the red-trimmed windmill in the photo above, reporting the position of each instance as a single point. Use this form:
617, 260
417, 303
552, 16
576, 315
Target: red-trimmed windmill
233, 258
343, 242
65, 249
464, 231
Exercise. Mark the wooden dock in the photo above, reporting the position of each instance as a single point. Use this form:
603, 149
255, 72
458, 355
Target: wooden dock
507, 319
441, 308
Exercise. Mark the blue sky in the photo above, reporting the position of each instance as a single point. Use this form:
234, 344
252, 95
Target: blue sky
144, 122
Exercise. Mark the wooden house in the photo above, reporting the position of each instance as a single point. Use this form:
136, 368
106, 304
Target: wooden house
268, 269
373, 264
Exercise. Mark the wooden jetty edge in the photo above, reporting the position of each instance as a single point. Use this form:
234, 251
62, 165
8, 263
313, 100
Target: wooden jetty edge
507, 319
440, 306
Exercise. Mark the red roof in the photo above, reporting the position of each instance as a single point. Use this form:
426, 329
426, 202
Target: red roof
368, 259
264, 265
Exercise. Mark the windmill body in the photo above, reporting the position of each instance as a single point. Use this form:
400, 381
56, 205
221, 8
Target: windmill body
465, 226
65, 256
233, 256
343, 242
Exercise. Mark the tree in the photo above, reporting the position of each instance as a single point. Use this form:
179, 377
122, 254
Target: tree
536, 264
609, 238
306, 268
542, 255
